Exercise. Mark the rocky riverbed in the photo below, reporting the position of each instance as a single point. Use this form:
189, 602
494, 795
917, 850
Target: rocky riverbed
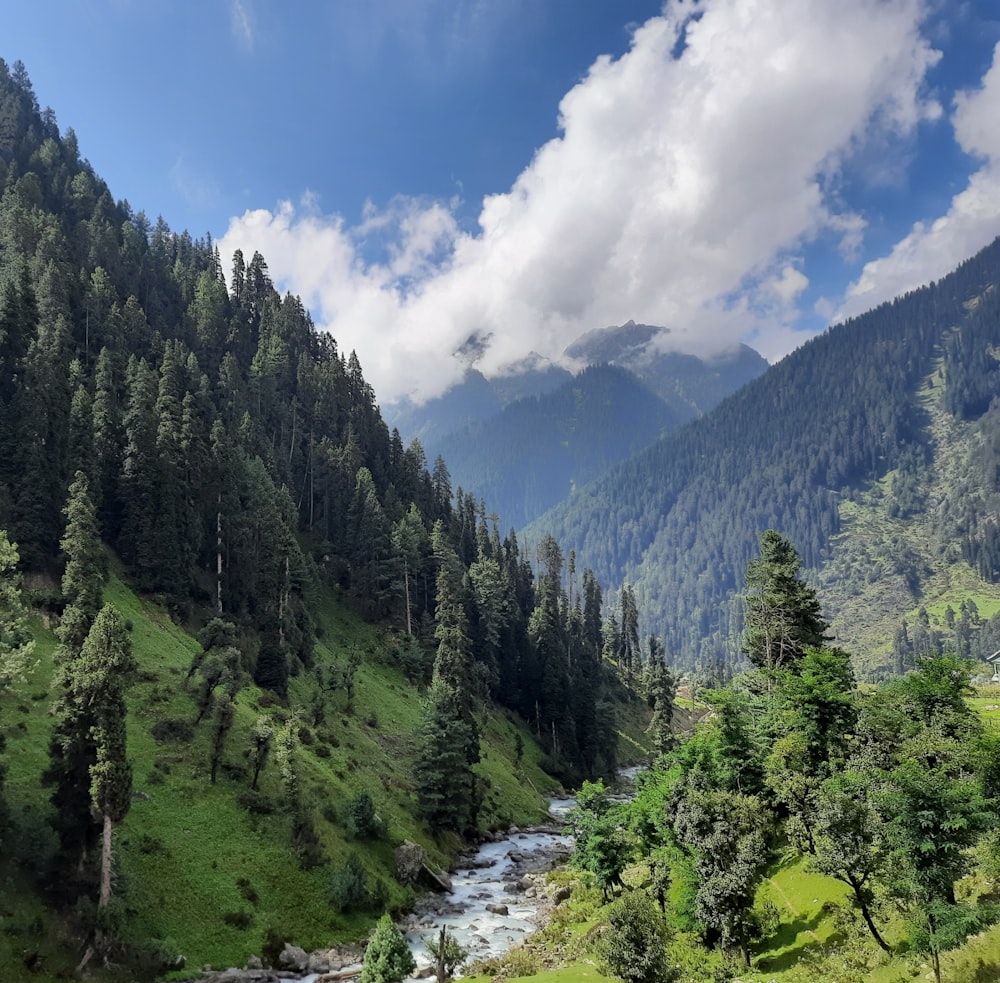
498, 897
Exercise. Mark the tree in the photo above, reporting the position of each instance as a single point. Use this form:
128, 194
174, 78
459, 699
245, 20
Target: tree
387, 958
782, 615
16, 643
83, 577
850, 841
448, 954
261, 740
727, 835
448, 738
633, 943
101, 676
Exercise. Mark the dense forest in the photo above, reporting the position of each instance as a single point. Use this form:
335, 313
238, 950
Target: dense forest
680, 520
192, 432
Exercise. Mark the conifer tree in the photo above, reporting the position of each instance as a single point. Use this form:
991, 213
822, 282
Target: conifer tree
71, 751
448, 737
782, 612
99, 680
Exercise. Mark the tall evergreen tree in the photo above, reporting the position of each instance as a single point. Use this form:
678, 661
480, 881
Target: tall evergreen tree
782, 612
99, 680
448, 738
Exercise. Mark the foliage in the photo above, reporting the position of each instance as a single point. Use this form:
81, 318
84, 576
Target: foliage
362, 820
349, 889
633, 944
448, 954
387, 958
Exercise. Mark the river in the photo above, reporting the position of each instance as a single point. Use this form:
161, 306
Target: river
496, 875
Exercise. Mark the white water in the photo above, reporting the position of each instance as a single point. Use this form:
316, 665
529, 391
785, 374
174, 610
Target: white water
482, 933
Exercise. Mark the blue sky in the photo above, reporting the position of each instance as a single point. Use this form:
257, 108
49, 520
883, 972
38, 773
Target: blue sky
522, 171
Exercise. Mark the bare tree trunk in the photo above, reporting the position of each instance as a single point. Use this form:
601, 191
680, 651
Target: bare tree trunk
406, 580
105, 896
218, 556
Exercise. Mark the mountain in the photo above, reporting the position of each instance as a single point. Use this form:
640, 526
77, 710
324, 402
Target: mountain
535, 451
524, 441
689, 385
893, 407
471, 401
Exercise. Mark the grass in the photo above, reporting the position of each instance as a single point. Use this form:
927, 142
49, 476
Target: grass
188, 853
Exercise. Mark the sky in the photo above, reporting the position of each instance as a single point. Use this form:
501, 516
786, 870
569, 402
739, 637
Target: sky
437, 178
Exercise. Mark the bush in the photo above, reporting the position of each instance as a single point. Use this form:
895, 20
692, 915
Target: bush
349, 886
172, 731
362, 821
238, 919
633, 945
247, 891
256, 804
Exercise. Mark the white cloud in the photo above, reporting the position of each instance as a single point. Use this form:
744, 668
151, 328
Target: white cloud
679, 192
931, 249
242, 23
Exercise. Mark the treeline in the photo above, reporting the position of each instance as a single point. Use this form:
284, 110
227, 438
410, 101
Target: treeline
236, 458
680, 520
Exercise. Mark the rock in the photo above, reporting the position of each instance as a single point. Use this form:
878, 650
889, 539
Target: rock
498, 909
319, 962
561, 895
254, 963
532, 892
293, 957
511, 887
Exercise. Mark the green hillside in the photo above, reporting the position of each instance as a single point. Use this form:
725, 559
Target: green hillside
205, 870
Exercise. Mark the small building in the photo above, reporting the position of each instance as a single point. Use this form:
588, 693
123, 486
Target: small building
994, 661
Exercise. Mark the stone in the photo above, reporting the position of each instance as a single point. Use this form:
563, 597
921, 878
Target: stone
254, 963
319, 962
498, 909
561, 895
293, 957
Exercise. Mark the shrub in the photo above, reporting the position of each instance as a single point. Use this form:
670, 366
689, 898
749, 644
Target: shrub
172, 731
362, 820
388, 958
247, 891
349, 886
238, 919
633, 945
256, 803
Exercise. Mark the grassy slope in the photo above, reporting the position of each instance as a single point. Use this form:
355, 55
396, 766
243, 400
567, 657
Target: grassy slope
864, 587
186, 843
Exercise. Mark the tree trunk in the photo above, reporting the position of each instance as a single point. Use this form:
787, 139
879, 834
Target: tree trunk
105, 896
406, 581
859, 896
218, 556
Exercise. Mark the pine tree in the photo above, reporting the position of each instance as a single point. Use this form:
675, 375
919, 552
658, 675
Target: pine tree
387, 958
782, 612
448, 738
72, 754
99, 679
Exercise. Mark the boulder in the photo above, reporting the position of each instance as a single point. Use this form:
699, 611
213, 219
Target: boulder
498, 909
293, 957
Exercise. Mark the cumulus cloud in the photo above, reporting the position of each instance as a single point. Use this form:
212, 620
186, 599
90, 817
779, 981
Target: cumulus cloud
686, 177
972, 221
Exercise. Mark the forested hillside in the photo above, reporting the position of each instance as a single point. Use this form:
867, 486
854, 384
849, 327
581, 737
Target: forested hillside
194, 433
789, 450
525, 441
